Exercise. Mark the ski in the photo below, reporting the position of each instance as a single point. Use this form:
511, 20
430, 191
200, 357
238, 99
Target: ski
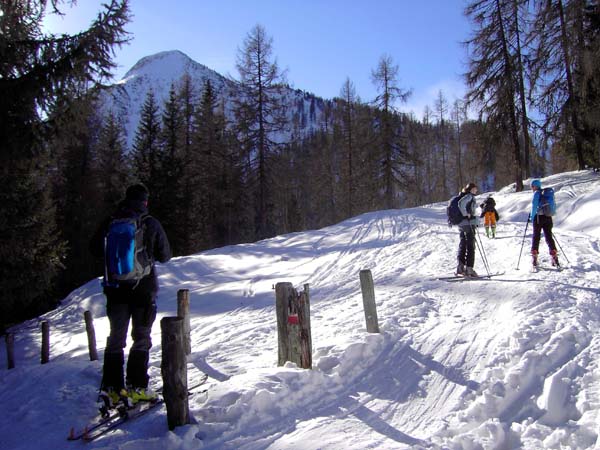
550, 269
138, 410
462, 278
120, 415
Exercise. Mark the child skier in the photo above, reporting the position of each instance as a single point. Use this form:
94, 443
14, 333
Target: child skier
490, 216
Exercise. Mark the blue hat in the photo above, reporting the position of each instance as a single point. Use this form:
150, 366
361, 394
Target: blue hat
537, 184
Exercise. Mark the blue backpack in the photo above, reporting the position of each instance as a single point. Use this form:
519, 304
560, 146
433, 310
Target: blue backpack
453, 211
546, 205
125, 258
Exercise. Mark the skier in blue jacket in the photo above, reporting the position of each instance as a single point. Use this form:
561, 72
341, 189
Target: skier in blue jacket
541, 218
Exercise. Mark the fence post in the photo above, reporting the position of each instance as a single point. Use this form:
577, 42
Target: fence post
305, 333
45, 342
10, 350
174, 372
293, 325
368, 294
91, 335
183, 311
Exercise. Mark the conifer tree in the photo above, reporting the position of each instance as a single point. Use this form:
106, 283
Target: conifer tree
113, 166
459, 116
260, 115
39, 75
215, 168
146, 146
168, 180
494, 70
75, 189
385, 78
190, 208
348, 119
565, 71
441, 111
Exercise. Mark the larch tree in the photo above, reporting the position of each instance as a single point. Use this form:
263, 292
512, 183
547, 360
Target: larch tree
390, 148
348, 123
259, 109
441, 112
493, 74
564, 67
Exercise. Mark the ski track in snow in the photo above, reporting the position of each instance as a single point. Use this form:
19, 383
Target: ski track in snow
509, 362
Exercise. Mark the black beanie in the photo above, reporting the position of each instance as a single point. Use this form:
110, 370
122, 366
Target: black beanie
137, 192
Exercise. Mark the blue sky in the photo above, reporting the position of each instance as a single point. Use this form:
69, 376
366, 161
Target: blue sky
319, 43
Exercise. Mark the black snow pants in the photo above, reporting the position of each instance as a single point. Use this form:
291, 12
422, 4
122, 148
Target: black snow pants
466, 246
139, 308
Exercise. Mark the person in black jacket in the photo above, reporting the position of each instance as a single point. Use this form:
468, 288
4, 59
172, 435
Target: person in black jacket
490, 216
131, 301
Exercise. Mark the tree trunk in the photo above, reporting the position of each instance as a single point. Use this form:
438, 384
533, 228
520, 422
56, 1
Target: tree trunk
524, 119
509, 77
574, 100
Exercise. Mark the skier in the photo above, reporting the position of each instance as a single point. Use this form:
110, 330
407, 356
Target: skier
131, 301
466, 247
490, 216
541, 218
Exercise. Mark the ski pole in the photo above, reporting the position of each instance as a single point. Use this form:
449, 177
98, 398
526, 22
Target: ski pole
558, 243
523, 242
479, 244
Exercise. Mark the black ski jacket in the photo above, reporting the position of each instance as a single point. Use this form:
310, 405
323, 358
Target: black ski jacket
155, 241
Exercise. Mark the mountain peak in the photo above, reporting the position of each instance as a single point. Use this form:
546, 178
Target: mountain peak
164, 64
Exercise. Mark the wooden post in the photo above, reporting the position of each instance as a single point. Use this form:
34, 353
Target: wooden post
91, 335
368, 294
45, 342
174, 372
305, 334
10, 350
183, 311
293, 326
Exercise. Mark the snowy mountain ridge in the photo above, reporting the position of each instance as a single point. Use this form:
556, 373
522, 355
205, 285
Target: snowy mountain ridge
507, 363
160, 71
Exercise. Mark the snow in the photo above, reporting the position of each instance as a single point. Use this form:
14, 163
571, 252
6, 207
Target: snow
506, 363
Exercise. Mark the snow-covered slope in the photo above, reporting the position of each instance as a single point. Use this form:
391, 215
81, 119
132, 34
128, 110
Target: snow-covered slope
506, 363
160, 71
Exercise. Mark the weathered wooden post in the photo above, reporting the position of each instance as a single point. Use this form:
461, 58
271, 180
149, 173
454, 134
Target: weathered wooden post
45, 342
304, 323
10, 350
368, 294
174, 372
91, 335
293, 325
183, 311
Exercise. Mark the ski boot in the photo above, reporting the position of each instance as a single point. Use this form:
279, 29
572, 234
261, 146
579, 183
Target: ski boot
142, 395
554, 255
470, 272
534, 260
109, 399
460, 269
